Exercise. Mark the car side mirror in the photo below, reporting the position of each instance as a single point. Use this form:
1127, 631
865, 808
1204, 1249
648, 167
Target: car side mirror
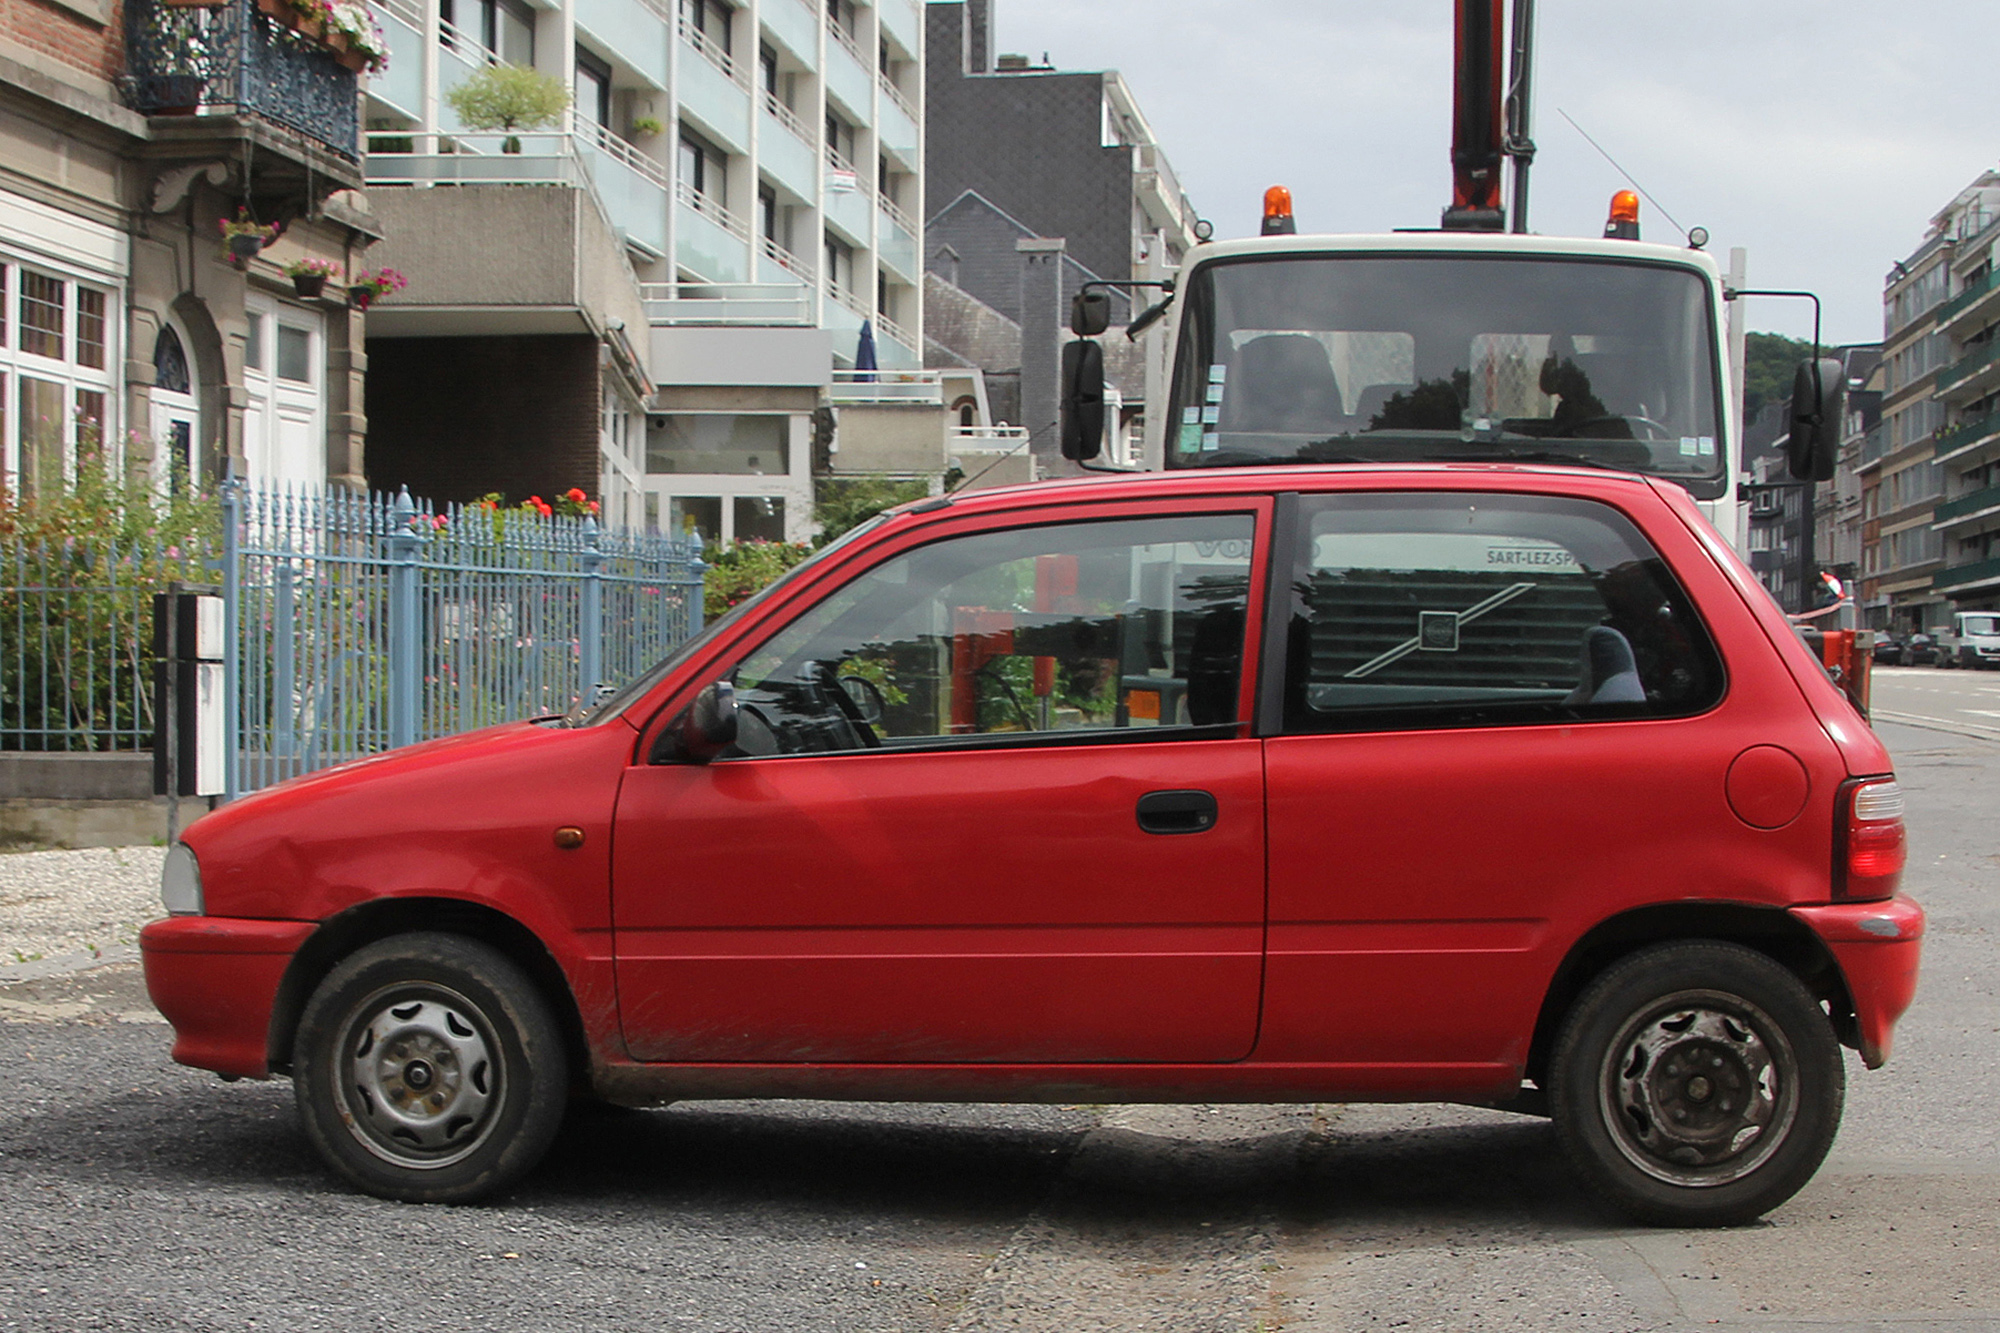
1082, 399
705, 730
1814, 444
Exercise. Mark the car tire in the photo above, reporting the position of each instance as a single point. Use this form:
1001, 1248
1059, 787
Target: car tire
1666, 1140
428, 1068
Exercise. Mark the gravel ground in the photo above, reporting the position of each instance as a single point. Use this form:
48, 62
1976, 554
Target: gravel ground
65, 909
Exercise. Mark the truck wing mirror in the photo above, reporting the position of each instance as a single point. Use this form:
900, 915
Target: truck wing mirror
1814, 445
1082, 400
1089, 313
705, 730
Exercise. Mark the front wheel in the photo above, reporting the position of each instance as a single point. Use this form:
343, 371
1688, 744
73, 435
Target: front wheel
428, 1068
1697, 1084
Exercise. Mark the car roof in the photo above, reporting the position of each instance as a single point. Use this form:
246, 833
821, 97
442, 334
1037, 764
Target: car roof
1549, 479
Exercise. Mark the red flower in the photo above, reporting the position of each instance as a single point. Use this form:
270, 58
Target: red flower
575, 493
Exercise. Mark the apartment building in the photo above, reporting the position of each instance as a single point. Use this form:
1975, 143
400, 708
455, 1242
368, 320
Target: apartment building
129, 132
725, 207
1966, 518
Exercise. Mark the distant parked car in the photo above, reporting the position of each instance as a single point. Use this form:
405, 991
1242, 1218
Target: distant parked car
1919, 650
1888, 649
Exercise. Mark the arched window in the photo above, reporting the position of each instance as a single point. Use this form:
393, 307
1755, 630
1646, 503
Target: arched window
170, 363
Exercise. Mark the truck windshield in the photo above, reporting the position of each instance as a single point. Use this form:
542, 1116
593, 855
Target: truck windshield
1405, 358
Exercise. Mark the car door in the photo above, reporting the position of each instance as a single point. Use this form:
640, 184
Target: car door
993, 799
1502, 721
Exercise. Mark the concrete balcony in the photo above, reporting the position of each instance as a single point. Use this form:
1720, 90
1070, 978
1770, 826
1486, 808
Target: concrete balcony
1968, 437
847, 78
776, 264
849, 211
1981, 509
1962, 579
1973, 376
628, 188
896, 124
727, 305
786, 151
402, 84
714, 90
493, 259
896, 347
903, 20
1972, 309
898, 244
909, 387
708, 238
638, 30
795, 24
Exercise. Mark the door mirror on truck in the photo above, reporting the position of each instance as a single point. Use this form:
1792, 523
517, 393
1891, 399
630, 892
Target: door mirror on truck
1815, 439
1082, 400
1089, 313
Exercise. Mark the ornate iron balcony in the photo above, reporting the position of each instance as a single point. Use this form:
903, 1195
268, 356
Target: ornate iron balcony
233, 60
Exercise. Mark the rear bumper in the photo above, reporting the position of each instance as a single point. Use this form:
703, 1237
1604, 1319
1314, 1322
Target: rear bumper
1877, 946
215, 979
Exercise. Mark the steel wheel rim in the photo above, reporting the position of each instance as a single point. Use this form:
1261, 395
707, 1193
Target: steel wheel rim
418, 1076
1699, 1088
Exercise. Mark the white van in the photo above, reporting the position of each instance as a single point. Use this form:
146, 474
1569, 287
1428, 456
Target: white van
1972, 641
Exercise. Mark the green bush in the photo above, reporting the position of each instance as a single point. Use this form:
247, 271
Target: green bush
739, 571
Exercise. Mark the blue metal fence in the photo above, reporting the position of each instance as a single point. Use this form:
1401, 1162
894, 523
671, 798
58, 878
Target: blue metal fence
353, 623
360, 623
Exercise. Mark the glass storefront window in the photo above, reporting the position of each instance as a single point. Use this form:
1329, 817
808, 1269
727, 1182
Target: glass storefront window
760, 518
719, 445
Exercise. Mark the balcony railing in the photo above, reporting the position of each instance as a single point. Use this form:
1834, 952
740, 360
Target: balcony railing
983, 438
710, 209
889, 328
1968, 366
727, 304
848, 299
1964, 576
232, 60
919, 387
1967, 298
1966, 505
1874, 445
789, 118
624, 153
895, 94
1967, 435
785, 259
846, 41
896, 214
711, 51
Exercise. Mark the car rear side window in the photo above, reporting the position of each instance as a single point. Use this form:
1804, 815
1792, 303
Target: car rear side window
1429, 610
1031, 635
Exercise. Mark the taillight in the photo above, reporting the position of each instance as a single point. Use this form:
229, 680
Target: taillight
1869, 849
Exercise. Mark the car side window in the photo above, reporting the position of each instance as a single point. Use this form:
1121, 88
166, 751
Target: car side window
1463, 610
1035, 634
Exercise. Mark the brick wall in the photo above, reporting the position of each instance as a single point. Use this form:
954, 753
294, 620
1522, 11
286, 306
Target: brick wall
1030, 143
64, 33
454, 418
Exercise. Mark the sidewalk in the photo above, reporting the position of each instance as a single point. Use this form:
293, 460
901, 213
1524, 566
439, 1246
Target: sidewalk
64, 911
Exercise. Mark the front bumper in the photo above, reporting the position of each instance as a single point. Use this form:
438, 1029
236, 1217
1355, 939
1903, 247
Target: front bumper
1877, 946
215, 979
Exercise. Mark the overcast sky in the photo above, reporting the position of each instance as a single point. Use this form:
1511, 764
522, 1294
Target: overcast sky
1822, 137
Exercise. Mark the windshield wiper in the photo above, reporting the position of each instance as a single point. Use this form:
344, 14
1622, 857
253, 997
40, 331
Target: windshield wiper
1556, 456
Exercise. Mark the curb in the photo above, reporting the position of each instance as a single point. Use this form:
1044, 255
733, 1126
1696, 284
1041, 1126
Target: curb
62, 965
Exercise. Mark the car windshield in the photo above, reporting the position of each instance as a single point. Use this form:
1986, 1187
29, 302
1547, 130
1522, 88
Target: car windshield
1982, 624
1399, 358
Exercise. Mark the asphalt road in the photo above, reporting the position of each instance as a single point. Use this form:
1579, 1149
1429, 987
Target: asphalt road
140, 1195
1965, 702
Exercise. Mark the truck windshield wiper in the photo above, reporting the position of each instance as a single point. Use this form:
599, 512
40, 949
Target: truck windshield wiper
1556, 456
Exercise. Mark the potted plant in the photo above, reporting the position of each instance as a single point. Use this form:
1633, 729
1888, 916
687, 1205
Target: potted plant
645, 127
509, 98
244, 236
368, 286
309, 276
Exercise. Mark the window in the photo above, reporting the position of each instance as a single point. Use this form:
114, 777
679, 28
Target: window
759, 518
839, 142
56, 386
704, 170
767, 71
710, 19
294, 354
712, 444
253, 345
767, 213
695, 518
593, 88
839, 265
1438, 610
1028, 634
170, 364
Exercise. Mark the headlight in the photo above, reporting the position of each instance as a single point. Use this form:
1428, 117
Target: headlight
180, 882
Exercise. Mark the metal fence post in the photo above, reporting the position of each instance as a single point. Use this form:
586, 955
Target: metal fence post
405, 632
232, 650
697, 583
284, 646
590, 646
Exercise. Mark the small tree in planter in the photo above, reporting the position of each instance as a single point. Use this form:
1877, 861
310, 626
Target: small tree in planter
509, 98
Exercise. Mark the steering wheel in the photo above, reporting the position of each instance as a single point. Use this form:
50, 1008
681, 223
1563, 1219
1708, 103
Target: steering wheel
1654, 430
831, 683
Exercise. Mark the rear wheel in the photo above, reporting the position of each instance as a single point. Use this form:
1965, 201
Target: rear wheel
1697, 1084
428, 1068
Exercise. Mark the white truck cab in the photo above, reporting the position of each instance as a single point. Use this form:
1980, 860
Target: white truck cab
1973, 640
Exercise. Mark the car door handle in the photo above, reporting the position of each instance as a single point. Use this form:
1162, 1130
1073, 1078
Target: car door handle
1177, 812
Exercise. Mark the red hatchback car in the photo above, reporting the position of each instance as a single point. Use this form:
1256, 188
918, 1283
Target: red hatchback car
1496, 785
